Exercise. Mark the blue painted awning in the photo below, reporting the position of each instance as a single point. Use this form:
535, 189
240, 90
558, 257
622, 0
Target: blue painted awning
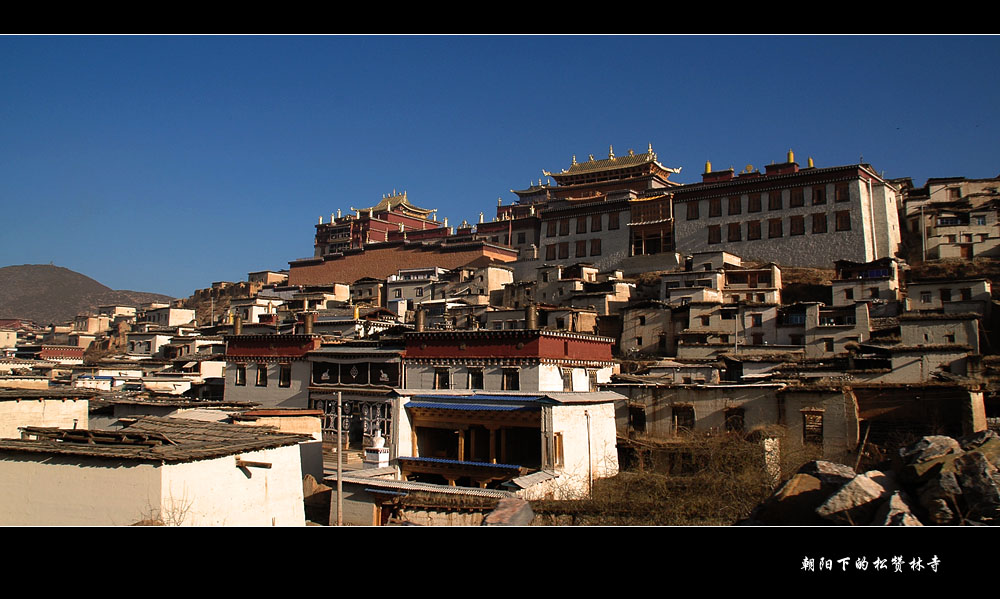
467, 407
485, 397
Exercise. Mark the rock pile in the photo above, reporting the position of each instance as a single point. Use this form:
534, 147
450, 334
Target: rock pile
936, 481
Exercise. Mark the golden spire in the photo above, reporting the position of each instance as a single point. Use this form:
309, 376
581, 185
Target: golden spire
810, 162
650, 147
791, 155
708, 166
574, 158
611, 152
591, 157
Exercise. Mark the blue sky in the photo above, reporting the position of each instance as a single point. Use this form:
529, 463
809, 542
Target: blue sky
164, 163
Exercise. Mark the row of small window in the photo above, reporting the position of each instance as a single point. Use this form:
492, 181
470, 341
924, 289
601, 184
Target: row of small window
561, 227
510, 379
966, 238
521, 239
964, 295
775, 201
977, 219
561, 250
398, 293
775, 227
284, 375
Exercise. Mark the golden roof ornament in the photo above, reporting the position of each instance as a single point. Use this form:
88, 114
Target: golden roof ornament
708, 166
591, 157
631, 152
574, 158
810, 162
791, 155
611, 152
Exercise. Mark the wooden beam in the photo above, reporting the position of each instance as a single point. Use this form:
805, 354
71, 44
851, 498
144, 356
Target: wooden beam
493, 445
503, 445
245, 464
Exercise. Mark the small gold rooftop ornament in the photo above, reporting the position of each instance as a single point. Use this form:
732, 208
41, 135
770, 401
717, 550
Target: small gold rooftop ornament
708, 166
631, 152
748, 169
611, 152
574, 158
810, 162
791, 155
591, 157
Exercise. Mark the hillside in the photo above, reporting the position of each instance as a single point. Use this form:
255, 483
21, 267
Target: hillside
52, 294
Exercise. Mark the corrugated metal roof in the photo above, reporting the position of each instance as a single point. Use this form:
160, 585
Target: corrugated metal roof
415, 486
457, 462
532, 479
188, 440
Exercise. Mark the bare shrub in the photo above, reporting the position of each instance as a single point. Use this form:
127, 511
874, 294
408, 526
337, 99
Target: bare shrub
719, 482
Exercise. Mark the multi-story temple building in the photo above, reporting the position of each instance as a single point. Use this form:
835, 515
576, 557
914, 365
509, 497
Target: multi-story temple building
605, 212
623, 212
381, 222
795, 217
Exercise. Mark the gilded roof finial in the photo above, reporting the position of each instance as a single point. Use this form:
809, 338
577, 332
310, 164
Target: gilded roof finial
791, 155
810, 162
708, 166
650, 147
631, 152
591, 157
574, 158
611, 152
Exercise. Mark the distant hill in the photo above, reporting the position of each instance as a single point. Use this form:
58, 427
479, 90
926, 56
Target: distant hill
52, 294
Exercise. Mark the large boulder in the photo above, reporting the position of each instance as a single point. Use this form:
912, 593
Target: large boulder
929, 448
857, 501
975, 474
830, 473
794, 503
896, 511
939, 495
976, 440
